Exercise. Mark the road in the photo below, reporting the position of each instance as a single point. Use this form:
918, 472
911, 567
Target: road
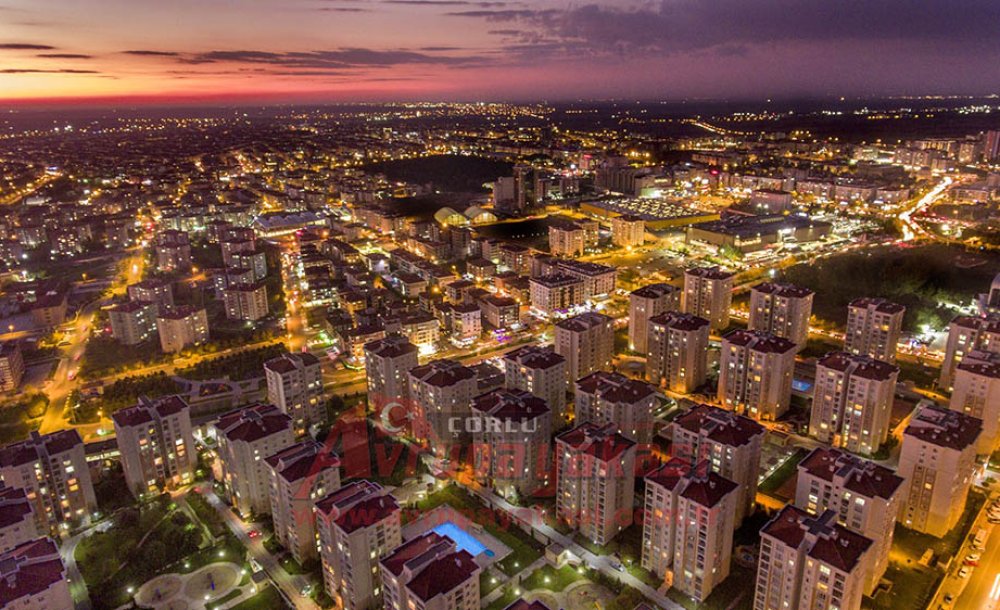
982, 591
291, 586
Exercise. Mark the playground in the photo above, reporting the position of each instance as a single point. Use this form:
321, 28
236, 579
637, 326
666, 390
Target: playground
181, 591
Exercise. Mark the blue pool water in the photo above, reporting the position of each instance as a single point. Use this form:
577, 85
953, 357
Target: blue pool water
463, 539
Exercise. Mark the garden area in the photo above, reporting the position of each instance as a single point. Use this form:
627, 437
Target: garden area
104, 356
18, 419
734, 593
237, 367
121, 394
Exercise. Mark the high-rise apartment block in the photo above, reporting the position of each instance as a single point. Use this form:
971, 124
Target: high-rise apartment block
852, 401
156, 444
153, 290
133, 322
173, 251
430, 573
17, 518
688, 526
295, 385
555, 293
587, 342
864, 495
643, 304
32, 575
387, 366
566, 238
612, 398
539, 371
246, 438
873, 328
11, 366
246, 301
937, 460
52, 470
182, 326
810, 562
677, 351
441, 392
976, 392
755, 374
511, 441
782, 310
628, 231
595, 480
729, 443
357, 525
708, 293
967, 334
299, 476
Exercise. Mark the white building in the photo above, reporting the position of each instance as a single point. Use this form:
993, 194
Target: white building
32, 576
539, 371
511, 441
295, 385
755, 374
708, 293
133, 322
17, 518
156, 444
587, 343
677, 351
387, 365
643, 304
612, 398
181, 327
782, 310
967, 334
298, 476
441, 392
873, 328
977, 393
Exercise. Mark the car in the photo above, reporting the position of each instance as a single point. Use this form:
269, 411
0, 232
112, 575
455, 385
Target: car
949, 598
972, 557
253, 534
964, 572
71, 376
971, 564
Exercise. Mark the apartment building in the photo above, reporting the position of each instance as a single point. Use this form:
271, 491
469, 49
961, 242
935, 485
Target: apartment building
755, 374
628, 231
387, 365
688, 526
598, 280
173, 251
156, 444
539, 371
677, 351
11, 366
967, 334
782, 310
17, 518
937, 461
441, 392
645, 303
133, 322
864, 495
428, 573
729, 443
587, 343
595, 480
708, 293
873, 328
52, 470
152, 291
852, 401
976, 392
612, 398
357, 526
555, 293
566, 238
511, 442
810, 562
182, 326
246, 438
298, 476
32, 575
295, 385
245, 301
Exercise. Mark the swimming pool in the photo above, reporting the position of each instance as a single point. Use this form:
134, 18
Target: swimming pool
463, 539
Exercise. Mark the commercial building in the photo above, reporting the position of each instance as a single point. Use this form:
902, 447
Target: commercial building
357, 526
708, 293
612, 398
810, 562
295, 385
298, 477
782, 310
937, 460
729, 443
755, 374
967, 334
864, 496
977, 393
587, 343
156, 444
688, 526
595, 480
52, 470
32, 575
511, 441
246, 438
11, 366
387, 365
17, 518
643, 304
540, 372
677, 351
441, 392
133, 322
752, 233
245, 301
873, 328
628, 231
852, 401
182, 326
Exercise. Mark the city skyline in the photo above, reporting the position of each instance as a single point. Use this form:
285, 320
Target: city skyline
314, 51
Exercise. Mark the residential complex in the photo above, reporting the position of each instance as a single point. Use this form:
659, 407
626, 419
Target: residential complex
755, 374
873, 328
511, 442
246, 438
539, 371
156, 444
708, 293
782, 310
645, 303
295, 385
612, 398
587, 342
677, 351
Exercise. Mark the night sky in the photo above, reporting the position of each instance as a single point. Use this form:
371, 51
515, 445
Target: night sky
341, 50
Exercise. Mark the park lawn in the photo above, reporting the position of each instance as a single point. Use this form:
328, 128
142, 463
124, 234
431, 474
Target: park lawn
912, 587
268, 599
487, 582
506, 599
228, 549
784, 472
551, 578
914, 544
206, 513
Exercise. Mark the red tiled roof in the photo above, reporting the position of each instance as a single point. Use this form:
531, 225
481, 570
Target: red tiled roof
708, 489
34, 448
719, 425
861, 366
396, 561
602, 442
783, 290
679, 320
303, 459
510, 405
29, 569
880, 305
615, 387
759, 341
535, 357
253, 423
443, 575
861, 476
14, 506
442, 373
944, 427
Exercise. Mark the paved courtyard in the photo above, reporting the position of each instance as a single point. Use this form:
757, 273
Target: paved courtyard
181, 591
442, 516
